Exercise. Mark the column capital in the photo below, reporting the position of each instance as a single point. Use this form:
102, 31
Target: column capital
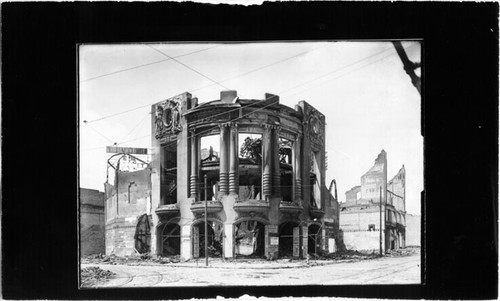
277, 128
272, 126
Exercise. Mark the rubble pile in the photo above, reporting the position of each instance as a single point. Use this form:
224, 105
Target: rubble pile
350, 255
139, 259
403, 252
93, 275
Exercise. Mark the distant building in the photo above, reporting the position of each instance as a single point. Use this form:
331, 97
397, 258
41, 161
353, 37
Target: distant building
375, 200
91, 222
413, 230
266, 193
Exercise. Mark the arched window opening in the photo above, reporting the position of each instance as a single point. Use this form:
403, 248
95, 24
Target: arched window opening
214, 237
171, 240
249, 239
142, 235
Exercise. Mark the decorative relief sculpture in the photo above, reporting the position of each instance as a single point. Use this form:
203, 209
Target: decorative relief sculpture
168, 117
316, 128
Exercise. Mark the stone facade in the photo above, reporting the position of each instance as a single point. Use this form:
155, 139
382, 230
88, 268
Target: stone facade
91, 222
373, 206
128, 213
266, 196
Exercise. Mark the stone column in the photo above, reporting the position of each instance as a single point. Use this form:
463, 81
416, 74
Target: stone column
223, 165
228, 241
305, 236
234, 186
186, 242
297, 168
276, 162
272, 241
194, 180
266, 162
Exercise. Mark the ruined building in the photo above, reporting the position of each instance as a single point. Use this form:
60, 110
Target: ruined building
259, 164
91, 222
128, 206
375, 204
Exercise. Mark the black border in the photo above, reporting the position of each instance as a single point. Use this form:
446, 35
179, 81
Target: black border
460, 88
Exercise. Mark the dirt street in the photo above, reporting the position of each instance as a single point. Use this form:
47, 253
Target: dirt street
386, 270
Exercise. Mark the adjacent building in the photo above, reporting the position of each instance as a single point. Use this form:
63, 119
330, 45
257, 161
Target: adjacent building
91, 222
374, 213
256, 165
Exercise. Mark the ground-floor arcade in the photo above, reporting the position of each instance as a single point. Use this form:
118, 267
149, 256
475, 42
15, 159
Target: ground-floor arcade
245, 238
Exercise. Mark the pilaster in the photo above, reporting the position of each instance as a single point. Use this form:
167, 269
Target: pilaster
234, 187
193, 178
224, 171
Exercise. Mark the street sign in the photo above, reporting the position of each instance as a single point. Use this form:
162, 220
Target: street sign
126, 150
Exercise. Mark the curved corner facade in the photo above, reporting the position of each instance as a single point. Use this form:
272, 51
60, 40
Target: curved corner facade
263, 189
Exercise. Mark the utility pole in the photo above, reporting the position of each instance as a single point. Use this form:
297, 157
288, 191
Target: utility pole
380, 230
206, 223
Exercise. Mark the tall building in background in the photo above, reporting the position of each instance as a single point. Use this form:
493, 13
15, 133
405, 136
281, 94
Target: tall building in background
375, 204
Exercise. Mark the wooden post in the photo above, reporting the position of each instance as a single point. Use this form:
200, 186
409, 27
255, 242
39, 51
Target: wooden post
380, 230
206, 223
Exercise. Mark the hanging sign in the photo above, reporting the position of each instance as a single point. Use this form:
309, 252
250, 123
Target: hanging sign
126, 150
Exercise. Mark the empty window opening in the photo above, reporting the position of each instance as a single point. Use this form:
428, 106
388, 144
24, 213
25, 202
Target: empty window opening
250, 166
286, 239
169, 173
210, 166
249, 239
314, 239
142, 235
214, 239
171, 240
315, 190
286, 169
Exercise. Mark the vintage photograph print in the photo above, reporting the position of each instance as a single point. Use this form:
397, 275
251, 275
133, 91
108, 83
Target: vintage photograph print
250, 164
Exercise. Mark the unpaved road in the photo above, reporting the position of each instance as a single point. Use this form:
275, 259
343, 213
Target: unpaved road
387, 270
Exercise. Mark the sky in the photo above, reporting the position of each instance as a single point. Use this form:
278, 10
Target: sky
362, 89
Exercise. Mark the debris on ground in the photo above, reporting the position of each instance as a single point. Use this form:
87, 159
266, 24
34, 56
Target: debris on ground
340, 255
91, 276
408, 251
348, 255
136, 259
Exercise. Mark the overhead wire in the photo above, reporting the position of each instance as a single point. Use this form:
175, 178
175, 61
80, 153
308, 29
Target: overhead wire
284, 91
262, 67
347, 73
144, 65
225, 112
102, 135
188, 67
334, 71
230, 78
140, 122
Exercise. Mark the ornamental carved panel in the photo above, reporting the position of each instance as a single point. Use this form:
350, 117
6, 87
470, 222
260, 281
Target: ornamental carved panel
316, 128
168, 117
